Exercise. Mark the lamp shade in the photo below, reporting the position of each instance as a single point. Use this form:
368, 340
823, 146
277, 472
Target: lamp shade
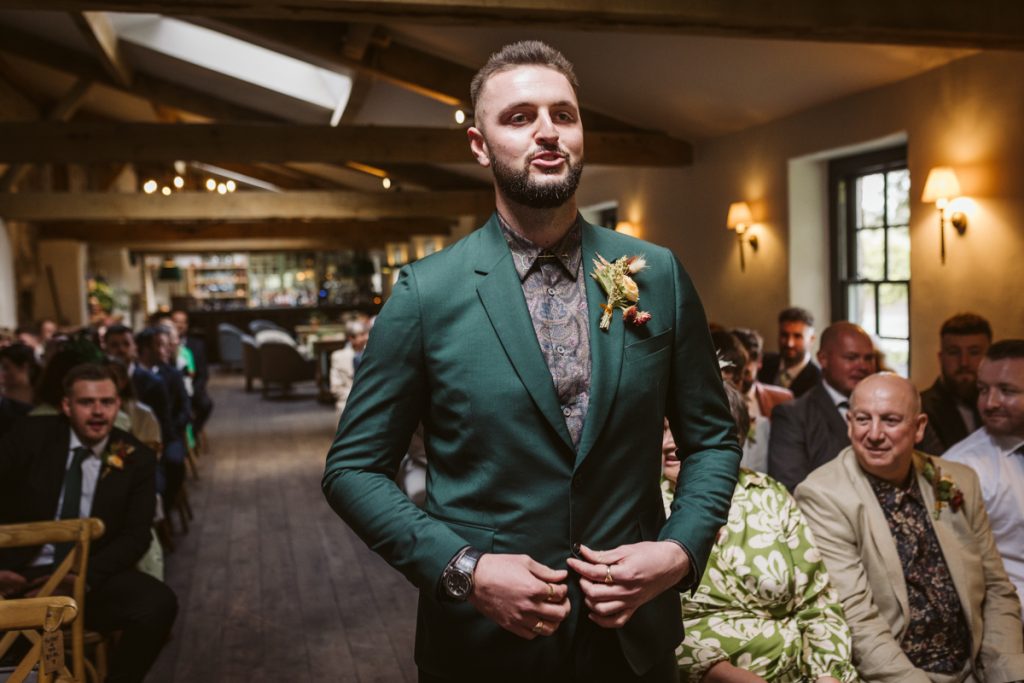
941, 184
739, 214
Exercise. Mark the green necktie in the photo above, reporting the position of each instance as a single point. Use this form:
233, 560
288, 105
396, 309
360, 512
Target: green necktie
72, 498
73, 484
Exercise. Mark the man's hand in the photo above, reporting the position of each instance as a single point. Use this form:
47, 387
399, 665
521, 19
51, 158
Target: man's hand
520, 595
639, 572
11, 583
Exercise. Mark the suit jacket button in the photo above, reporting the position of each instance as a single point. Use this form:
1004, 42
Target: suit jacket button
575, 548
577, 483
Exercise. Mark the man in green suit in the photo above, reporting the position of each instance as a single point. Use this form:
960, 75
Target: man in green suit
542, 550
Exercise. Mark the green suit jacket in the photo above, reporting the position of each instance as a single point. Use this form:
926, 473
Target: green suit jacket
455, 347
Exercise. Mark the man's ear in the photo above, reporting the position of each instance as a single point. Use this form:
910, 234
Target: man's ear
65, 406
922, 424
478, 146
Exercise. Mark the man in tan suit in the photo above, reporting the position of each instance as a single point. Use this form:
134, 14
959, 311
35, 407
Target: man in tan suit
915, 563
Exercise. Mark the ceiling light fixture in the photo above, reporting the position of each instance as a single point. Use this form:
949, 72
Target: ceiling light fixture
211, 184
179, 182
166, 191
386, 182
150, 186
460, 116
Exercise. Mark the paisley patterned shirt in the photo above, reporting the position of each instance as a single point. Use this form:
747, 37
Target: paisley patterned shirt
556, 297
937, 639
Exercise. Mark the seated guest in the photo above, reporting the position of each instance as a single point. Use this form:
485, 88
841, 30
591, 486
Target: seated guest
952, 402
810, 431
119, 343
345, 361
135, 417
202, 404
19, 371
761, 398
734, 360
48, 393
764, 609
793, 367
908, 547
996, 451
77, 465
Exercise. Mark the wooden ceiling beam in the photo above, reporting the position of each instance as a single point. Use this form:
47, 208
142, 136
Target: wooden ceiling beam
97, 30
246, 142
164, 232
72, 62
243, 206
986, 24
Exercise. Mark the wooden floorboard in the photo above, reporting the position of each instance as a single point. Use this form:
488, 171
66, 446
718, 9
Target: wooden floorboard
271, 585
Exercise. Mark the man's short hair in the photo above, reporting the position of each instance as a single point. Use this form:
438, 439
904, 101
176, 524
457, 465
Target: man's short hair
87, 372
114, 330
966, 323
795, 314
1007, 349
752, 341
147, 337
354, 328
522, 53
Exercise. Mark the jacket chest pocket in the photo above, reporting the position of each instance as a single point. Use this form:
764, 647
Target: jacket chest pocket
647, 349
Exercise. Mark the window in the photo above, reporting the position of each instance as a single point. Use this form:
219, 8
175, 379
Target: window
870, 201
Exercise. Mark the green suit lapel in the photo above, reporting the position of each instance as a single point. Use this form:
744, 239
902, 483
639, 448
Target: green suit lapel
501, 294
605, 345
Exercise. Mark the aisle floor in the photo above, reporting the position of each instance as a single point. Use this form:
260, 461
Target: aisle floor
271, 585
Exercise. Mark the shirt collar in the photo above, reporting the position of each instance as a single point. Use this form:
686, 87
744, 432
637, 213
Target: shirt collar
896, 492
99, 448
568, 252
1007, 444
836, 397
794, 371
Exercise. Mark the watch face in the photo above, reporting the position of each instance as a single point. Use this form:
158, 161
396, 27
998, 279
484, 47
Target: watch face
457, 584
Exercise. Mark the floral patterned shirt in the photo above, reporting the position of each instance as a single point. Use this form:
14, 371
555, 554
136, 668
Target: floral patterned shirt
937, 638
556, 297
765, 603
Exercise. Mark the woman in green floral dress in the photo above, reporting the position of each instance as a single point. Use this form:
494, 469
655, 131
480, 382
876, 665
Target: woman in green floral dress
765, 610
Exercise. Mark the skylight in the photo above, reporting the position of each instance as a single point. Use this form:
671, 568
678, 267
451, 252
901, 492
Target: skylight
235, 58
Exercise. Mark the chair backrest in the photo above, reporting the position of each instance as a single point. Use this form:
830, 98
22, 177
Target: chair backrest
80, 532
32, 618
283, 363
250, 356
229, 344
258, 325
277, 336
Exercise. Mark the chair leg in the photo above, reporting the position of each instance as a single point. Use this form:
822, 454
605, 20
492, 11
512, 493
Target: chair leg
192, 463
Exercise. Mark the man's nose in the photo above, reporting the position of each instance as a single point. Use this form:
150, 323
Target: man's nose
546, 128
991, 399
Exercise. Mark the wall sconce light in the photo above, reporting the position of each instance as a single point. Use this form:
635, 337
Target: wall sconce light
940, 189
741, 220
627, 228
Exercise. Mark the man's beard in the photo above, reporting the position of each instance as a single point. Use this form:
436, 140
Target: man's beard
522, 188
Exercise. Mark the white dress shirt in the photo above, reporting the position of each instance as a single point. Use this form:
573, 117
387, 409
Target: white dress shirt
842, 402
1001, 471
90, 475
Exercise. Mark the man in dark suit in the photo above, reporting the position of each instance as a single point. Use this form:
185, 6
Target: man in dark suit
202, 404
154, 349
810, 431
119, 342
77, 465
542, 551
792, 367
952, 402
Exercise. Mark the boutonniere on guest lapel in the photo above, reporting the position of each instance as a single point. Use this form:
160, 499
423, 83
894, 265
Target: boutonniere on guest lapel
113, 459
617, 282
945, 489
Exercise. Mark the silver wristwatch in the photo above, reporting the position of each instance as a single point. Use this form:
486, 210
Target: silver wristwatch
457, 577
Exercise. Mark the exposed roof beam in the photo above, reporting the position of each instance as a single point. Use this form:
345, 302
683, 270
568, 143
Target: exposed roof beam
93, 142
72, 62
63, 110
980, 24
242, 206
364, 232
97, 30
406, 67
14, 106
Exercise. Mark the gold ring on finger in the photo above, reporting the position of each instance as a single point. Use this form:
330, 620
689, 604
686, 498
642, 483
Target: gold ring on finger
538, 628
551, 594
608, 579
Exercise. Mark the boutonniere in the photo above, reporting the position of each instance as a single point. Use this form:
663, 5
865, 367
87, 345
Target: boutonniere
113, 459
617, 282
945, 489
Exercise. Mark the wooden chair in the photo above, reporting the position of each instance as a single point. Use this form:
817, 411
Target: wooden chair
32, 617
81, 532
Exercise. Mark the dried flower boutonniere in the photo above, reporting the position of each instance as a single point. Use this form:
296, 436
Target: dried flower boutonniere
945, 489
113, 459
617, 282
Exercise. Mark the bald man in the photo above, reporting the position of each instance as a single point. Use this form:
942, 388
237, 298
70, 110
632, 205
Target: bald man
810, 431
916, 566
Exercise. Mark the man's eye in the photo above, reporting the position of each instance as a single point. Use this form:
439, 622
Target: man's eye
517, 118
565, 116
